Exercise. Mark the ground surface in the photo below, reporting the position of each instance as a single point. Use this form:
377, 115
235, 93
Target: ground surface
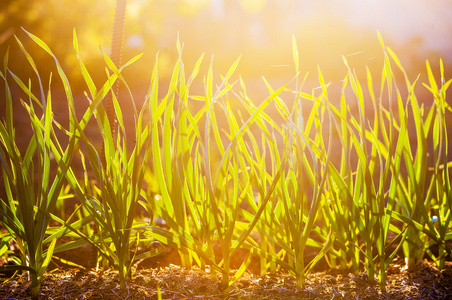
177, 283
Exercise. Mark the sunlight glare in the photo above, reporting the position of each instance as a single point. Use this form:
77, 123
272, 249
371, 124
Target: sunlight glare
253, 6
190, 8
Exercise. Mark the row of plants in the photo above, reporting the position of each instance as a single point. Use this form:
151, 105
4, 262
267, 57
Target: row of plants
356, 187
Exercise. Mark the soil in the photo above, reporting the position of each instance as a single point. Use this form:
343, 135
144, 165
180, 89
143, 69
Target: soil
174, 282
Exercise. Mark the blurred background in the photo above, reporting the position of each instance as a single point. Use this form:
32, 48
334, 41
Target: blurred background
259, 30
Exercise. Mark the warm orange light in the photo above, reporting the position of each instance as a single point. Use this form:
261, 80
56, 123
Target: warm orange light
253, 6
259, 30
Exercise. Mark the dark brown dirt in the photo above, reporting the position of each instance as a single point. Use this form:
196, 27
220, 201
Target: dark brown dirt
174, 282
